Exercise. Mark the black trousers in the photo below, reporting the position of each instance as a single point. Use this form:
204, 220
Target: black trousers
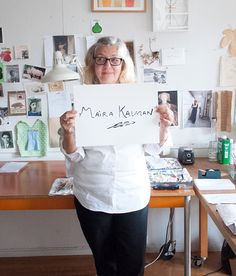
118, 241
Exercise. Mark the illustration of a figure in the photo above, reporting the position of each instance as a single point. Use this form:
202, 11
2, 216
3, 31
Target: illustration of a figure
34, 108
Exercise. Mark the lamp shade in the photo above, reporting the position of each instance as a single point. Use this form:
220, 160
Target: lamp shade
60, 72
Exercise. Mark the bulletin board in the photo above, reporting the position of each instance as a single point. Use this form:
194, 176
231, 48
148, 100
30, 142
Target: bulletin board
30, 109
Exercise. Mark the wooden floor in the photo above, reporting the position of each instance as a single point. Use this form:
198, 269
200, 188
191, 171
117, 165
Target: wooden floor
84, 266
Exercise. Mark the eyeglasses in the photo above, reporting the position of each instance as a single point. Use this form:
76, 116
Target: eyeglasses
114, 61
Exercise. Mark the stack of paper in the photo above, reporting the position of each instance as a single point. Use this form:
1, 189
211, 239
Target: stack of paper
12, 167
228, 215
214, 184
220, 198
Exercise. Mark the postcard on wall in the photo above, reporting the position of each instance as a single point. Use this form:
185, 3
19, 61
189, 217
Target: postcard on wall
6, 139
1, 90
6, 54
1, 36
172, 56
116, 113
12, 73
4, 120
16, 103
21, 52
197, 109
56, 86
1, 72
63, 43
34, 107
35, 88
227, 71
155, 74
32, 72
170, 98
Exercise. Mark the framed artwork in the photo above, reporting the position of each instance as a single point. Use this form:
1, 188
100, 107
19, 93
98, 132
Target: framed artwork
119, 5
16, 103
170, 15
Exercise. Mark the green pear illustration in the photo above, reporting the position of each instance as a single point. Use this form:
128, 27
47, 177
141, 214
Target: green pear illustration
96, 28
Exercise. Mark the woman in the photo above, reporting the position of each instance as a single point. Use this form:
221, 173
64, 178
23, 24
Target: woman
194, 109
111, 183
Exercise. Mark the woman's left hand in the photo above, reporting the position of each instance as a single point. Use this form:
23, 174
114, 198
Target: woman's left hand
167, 117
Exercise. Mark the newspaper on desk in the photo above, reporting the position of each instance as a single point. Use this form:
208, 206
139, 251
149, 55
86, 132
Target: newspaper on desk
62, 186
228, 214
168, 170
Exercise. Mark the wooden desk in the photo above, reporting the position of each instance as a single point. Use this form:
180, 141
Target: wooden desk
205, 208
28, 190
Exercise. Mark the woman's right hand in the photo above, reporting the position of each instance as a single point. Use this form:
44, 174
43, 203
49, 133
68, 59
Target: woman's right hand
67, 121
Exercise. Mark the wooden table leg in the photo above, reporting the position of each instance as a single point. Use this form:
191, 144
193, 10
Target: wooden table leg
203, 232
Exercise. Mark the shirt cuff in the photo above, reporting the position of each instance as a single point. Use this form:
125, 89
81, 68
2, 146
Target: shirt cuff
75, 156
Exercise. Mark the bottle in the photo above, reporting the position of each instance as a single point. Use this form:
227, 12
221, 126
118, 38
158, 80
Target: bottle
224, 150
213, 143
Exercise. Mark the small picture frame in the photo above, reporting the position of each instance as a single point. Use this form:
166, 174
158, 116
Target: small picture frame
16, 103
119, 5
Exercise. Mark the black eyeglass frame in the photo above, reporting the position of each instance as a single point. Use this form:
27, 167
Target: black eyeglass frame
108, 59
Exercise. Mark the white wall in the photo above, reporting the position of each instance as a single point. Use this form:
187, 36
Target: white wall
27, 22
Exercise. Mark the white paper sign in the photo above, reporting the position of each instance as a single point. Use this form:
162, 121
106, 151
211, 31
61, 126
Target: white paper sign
116, 114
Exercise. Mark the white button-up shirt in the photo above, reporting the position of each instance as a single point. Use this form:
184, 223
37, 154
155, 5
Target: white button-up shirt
111, 179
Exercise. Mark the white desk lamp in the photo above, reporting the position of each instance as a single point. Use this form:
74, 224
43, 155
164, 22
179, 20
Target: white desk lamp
60, 72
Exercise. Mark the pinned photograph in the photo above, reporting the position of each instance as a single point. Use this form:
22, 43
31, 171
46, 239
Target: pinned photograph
1, 36
170, 98
32, 72
6, 140
12, 73
66, 45
21, 52
1, 73
4, 116
6, 54
35, 88
1, 90
16, 103
197, 109
152, 74
34, 107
